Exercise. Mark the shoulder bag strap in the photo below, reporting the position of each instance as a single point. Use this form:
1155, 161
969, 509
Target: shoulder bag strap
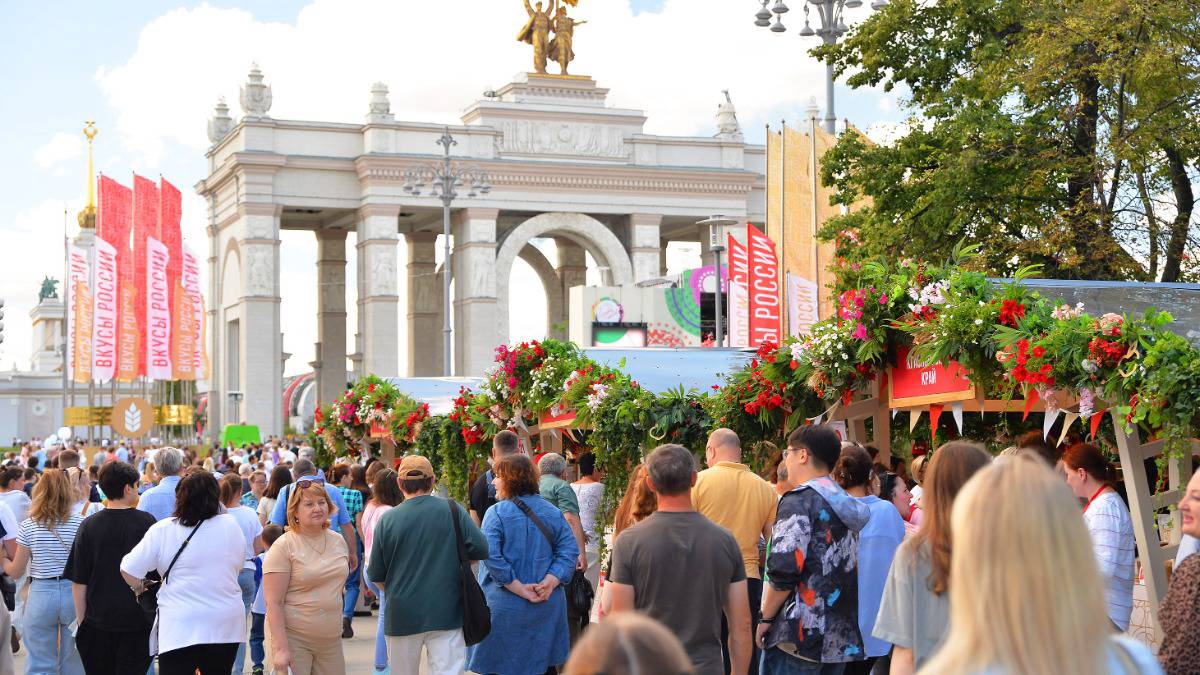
181, 547
458, 537
536, 521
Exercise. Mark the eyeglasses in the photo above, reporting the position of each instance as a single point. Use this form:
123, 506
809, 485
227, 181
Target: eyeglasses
309, 481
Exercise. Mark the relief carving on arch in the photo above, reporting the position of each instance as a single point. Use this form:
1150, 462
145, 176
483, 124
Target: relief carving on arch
562, 138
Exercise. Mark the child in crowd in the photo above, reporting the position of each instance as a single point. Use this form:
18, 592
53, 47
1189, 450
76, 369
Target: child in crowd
258, 611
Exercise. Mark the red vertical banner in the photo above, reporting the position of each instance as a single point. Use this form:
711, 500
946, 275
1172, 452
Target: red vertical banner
79, 314
158, 312
763, 286
104, 312
739, 299
170, 211
114, 224
191, 287
145, 225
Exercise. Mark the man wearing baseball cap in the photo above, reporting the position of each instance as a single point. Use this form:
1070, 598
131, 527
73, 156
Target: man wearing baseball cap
414, 560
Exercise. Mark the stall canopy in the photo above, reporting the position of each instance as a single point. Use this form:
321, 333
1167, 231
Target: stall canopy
660, 370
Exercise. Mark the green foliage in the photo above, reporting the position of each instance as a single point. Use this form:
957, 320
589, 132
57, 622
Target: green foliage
1061, 134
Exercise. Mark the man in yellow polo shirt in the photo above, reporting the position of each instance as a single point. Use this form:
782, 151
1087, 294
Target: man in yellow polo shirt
734, 497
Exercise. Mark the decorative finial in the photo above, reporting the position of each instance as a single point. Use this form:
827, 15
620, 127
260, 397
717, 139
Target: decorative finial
87, 217
813, 110
255, 96
220, 124
380, 107
727, 122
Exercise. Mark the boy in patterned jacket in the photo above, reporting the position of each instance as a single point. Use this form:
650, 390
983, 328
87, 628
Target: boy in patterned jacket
810, 607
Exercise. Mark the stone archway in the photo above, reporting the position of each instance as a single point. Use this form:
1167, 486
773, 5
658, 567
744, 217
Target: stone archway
555, 302
594, 236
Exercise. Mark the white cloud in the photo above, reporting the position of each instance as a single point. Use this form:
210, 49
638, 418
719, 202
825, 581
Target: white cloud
671, 63
887, 103
60, 148
40, 231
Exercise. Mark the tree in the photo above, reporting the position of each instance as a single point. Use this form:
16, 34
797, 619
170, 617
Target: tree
1061, 133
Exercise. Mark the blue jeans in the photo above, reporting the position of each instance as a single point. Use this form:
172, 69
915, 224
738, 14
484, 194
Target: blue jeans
49, 612
775, 661
381, 653
350, 599
246, 582
257, 635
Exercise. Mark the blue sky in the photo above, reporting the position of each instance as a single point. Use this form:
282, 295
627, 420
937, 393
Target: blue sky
149, 72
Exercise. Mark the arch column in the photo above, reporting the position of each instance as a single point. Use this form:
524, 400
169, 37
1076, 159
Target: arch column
330, 363
251, 330
473, 266
378, 299
556, 306
646, 251
424, 306
583, 230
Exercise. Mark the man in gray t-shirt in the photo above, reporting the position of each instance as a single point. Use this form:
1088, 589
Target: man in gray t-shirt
679, 568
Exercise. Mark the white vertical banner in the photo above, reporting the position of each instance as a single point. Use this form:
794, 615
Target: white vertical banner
79, 270
158, 311
104, 312
802, 304
191, 285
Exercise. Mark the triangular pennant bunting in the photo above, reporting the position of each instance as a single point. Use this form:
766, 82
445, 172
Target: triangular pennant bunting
935, 411
1094, 422
1051, 416
1068, 420
956, 409
1030, 399
914, 416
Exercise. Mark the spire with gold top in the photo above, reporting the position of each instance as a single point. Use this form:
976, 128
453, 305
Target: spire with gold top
87, 217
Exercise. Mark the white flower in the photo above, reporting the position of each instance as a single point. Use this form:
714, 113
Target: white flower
978, 322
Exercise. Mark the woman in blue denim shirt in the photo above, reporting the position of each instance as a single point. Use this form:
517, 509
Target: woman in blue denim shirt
522, 577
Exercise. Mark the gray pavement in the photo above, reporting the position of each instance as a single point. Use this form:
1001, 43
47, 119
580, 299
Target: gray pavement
359, 650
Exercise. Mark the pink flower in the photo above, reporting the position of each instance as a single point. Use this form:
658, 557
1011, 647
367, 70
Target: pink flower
512, 383
883, 299
860, 332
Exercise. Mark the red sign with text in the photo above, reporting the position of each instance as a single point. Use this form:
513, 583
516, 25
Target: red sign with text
914, 383
763, 286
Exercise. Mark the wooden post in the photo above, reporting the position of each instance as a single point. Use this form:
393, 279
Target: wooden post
387, 452
1144, 504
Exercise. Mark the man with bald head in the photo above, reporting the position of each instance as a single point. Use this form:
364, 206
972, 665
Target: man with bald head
734, 497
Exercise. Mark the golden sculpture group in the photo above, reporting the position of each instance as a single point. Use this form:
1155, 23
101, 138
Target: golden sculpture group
537, 31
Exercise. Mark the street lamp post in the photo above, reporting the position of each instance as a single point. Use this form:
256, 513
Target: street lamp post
830, 27
716, 245
443, 180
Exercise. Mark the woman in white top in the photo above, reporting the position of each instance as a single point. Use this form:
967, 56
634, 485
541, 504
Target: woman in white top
1091, 477
231, 496
385, 494
201, 617
589, 490
281, 477
43, 546
1024, 583
81, 481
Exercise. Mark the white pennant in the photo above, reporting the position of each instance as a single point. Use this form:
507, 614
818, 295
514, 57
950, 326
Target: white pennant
914, 416
957, 410
894, 411
1067, 422
1051, 415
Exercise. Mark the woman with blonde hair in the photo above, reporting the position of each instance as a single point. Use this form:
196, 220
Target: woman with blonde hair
44, 543
915, 608
629, 643
303, 576
1026, 593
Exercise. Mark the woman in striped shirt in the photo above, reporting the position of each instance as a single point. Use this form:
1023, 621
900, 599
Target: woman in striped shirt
43, 544
1091, 477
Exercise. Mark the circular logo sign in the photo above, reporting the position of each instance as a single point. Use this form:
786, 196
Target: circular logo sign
132, 417
607, 310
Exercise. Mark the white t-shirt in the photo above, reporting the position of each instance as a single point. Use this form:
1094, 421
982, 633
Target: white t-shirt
18, 501
247, 519
92, 508
201, 602
9, 522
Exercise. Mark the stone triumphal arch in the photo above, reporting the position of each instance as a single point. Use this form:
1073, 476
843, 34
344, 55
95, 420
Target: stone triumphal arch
563, 165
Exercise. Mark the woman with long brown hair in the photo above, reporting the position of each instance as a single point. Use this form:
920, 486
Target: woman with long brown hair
281, 477
44, 543
1091, 476
915, 609
637, 504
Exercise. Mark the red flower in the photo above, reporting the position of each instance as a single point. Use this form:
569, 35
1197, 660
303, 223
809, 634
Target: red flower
794, 364
1010, 311
775, 401
370, 387
1039, 351
1045, 369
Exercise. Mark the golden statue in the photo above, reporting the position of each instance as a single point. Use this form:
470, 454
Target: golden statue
537, 33
562, 47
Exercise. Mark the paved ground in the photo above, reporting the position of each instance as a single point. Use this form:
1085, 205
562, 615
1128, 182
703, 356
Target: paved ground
359, 650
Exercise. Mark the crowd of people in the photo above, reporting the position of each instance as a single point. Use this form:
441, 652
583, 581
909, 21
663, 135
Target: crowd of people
834, 562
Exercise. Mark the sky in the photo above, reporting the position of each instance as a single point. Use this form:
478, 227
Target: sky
149, 73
